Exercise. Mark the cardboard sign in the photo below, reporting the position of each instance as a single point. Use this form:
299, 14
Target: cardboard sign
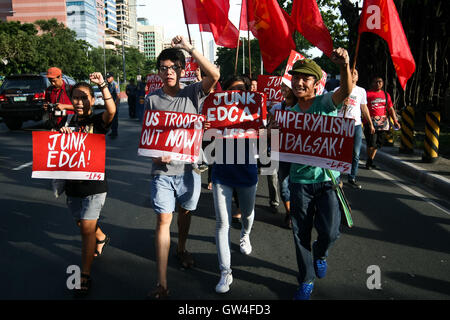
174, 134
191, 66
315, 140
237, 114
271, 86
74, 156
154, 82
293, 58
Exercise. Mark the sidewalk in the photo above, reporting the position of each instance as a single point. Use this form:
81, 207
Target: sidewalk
434, 175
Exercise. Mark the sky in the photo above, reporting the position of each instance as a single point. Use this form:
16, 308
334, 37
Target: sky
169, 14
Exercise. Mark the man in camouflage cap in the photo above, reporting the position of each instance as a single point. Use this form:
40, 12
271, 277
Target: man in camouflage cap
313, 200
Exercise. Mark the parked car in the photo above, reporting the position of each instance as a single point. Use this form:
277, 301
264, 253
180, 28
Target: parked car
22, 98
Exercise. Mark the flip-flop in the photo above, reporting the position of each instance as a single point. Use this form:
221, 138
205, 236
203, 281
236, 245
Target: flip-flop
105, 241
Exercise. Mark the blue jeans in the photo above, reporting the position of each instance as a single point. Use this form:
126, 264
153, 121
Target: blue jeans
283, 178
357, 140
313, 205
223, 196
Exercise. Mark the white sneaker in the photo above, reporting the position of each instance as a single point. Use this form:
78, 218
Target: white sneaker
246, 247
224, 284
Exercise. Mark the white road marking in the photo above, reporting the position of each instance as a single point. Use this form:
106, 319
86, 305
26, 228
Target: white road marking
23, 166
413, 192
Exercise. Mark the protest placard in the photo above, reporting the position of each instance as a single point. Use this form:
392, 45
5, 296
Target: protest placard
237, 114
175, 134
270, 85
293, 58
191, 66
154, 82
315, 140
73, 156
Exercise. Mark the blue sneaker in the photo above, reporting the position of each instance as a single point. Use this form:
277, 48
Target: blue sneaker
320, 267
304, 291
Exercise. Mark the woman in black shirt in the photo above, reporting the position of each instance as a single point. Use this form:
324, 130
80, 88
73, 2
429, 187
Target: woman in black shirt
85, 198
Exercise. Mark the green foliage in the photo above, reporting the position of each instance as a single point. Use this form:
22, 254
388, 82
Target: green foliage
26, 51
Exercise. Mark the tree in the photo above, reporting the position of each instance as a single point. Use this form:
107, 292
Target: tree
58, 46
426, 28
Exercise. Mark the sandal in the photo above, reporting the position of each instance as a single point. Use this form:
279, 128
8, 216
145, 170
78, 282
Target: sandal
159, 293
85, 286
104, 242
185, 259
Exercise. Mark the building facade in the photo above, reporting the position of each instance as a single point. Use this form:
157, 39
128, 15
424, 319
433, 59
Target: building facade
82, 18
152, 38
28, 11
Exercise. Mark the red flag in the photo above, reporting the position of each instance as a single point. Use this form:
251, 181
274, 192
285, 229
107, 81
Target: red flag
212, 16
272, 27
308, 21
243, 24
381, 17
194, 13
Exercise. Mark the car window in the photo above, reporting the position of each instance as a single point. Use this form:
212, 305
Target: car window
29, 83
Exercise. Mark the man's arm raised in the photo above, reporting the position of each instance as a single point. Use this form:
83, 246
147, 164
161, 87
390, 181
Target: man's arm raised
341, 58
212, 73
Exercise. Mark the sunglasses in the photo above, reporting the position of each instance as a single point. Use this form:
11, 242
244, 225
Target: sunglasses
166, 68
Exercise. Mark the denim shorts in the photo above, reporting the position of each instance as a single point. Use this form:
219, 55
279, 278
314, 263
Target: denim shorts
86, 208
166, 191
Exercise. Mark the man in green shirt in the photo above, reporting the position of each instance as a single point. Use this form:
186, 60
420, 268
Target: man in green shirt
313, 200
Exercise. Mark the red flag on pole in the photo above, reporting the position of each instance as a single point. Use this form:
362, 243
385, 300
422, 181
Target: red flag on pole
271, 25
308, 21
381, 17
212, 16
194, 13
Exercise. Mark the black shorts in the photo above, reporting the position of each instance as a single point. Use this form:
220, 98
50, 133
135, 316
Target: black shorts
375, 140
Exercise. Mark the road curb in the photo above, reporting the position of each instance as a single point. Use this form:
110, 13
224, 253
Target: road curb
436, 182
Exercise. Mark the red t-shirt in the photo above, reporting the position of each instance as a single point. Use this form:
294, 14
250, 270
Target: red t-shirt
55, 95
376, 103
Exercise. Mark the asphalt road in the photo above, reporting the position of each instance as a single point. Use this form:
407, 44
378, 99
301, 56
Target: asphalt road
399, 227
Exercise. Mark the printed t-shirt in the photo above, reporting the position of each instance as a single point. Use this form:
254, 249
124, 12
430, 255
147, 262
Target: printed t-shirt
352, 106
187, 100
376, 103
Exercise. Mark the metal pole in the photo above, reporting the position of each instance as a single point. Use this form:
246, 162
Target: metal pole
123, 56
104, 53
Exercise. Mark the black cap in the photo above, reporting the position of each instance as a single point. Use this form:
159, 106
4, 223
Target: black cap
109, 74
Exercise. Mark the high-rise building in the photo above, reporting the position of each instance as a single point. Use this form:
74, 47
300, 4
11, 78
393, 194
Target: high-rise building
152, 38
82, 18
28, 11
126, 22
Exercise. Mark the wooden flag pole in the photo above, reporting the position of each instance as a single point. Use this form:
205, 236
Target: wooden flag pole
187, 26
249, 47
356, 52
201, 39
236, 60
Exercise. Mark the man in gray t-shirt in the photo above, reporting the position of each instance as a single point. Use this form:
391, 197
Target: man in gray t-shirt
175, 182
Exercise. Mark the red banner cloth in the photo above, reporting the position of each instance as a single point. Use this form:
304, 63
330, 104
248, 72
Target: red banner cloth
308, 21
237, 114
212, 16
175, 134
74, 156
315, 140
271, 86
381, 17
